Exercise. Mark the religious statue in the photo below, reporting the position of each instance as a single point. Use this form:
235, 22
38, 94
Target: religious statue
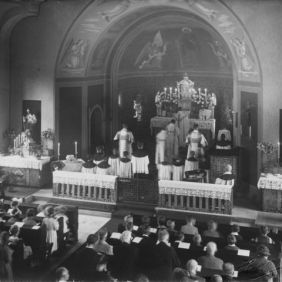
212, 104
186, 90
158, 103
137, 106
196, 142
125, 138
29, 120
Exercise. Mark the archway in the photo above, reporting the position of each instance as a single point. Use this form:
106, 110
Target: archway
91, 55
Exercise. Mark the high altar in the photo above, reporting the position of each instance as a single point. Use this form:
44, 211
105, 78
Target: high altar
179, 103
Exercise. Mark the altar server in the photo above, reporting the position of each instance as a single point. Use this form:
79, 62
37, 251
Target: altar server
160, 146
196, 142
227, 178
125, 166
172, 141
125, 138
103, 168
99, 155
140, 160
114, 162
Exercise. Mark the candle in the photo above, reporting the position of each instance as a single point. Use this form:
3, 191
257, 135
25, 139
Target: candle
199, 90
75, 147
278, 151
165, 89
206, 91
59, 146
14, 143
170, 90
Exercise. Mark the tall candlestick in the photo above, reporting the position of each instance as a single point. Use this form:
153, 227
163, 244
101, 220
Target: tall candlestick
75, 147
14, 144
59, 146
170, 90
278, 152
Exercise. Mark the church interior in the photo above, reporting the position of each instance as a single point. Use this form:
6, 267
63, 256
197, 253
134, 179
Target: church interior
140, 140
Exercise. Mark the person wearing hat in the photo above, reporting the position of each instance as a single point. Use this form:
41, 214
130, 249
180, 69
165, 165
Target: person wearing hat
265, 268
228, 272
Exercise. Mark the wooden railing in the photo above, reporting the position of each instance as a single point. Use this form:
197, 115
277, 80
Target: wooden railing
79, 185
202, 197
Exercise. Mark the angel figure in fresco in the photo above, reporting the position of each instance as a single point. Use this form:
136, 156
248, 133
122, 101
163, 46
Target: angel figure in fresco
219, 52
75, 54
152, 54
240, 46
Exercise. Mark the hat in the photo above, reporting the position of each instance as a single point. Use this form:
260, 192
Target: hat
263, 250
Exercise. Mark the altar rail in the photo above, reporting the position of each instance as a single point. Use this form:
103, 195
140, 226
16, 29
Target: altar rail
79, 185
202, 197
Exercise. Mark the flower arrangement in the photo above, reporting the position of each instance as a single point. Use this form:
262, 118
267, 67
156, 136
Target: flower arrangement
48, 134
266, 148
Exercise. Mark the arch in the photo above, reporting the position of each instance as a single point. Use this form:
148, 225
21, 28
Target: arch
102, 23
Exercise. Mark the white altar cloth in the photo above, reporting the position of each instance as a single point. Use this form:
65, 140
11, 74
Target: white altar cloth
205, 190
84, 179
270, 181
20, 162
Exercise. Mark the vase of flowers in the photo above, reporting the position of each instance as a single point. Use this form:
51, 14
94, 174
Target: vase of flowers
268, 156
47, 137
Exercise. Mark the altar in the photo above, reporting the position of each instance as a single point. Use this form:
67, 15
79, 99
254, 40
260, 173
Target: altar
271, 187
26, 171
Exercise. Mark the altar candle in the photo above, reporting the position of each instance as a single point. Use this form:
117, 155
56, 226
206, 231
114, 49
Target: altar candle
165, 90
206, 91
170, 90
59, 146
278, 151
14, 143
199, 90
75, 147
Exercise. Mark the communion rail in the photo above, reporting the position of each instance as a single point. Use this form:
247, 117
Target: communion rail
202, 197
77, 185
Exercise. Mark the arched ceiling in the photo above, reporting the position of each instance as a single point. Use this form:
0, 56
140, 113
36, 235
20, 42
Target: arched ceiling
97, 30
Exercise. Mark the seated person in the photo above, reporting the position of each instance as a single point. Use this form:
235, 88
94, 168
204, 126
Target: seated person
15, 216
212, 230
263, 238
210, 261
171, 229
179, 275
125, 166
227, 178
103, 168
196, 248
14, 208
235, 230
125, 258
161, 220
223, 144
99, 156
101, 246
191, 163
40, 210
228, 272
62, 274
114, 162
231, 243
87, 260
192, 268
189, 228
179, 237
29, 218
261, 265
126, 219
197, 240
145, 223
216, 278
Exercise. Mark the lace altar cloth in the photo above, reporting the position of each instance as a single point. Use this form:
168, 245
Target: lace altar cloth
20, 162
204, 190
84, 179
270, 181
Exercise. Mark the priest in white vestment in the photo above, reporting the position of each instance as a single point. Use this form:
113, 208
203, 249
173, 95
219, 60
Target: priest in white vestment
160, 146
172, 141
125, 138
196, 142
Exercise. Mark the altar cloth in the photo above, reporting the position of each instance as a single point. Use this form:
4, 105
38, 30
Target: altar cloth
204, 190
20, 162
270, 181
84, 179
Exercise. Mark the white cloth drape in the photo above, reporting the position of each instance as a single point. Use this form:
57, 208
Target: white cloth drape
165, 172
140, 165
177, 173
20, 162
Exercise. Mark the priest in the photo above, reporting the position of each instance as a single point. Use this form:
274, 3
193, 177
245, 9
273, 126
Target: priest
196, 142
172, 141
160, 146
125, 138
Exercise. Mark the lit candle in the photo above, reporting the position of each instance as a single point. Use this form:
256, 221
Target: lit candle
278, 151
14, 143
75, 147
170, 90
206, 91
59, 146
199, 90
165, 89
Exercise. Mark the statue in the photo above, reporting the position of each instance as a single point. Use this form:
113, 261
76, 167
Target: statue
186, 90
158, 103
212, 104
137, 106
